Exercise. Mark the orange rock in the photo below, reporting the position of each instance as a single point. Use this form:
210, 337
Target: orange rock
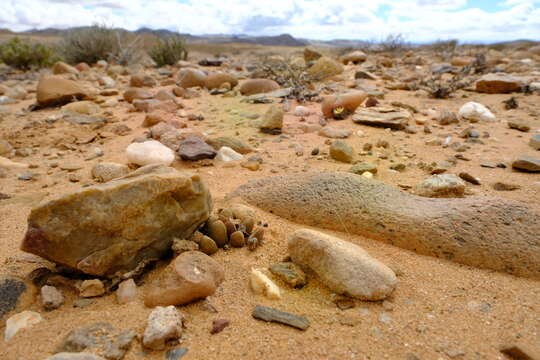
258, 86
136, 94
217, 79
188, 78
349, 102
192, 275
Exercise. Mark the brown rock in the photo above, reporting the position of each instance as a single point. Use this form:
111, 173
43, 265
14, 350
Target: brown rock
258, 86
232, 142
498, 84
63, 68
218, 79
355, 57
188, 78
136, 94
191, 276
126, 221
54, 90
325, 68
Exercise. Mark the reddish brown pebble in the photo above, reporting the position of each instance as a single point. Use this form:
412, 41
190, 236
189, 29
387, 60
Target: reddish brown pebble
219, 325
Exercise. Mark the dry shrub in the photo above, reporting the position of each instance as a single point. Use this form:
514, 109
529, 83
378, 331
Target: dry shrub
98, 42
169, 50
25, 54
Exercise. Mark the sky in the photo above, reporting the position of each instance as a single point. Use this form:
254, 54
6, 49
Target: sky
417, 20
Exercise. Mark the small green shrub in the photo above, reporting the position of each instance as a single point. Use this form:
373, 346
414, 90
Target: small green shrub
25, 54
168, 51
99, 42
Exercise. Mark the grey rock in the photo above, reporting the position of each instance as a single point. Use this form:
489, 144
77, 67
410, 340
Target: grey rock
175, 354
11, 292
535, 142
271, 315
74, 356
112, 343
51, 297
193, 149
164, 324
290, 273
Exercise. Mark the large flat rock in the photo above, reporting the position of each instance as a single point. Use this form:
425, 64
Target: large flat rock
486, 232
113, 227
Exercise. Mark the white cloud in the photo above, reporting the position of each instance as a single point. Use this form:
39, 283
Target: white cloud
418, 20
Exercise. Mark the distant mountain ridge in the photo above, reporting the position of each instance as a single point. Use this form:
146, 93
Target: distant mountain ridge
278, 40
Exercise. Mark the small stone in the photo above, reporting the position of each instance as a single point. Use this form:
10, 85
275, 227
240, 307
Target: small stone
5, 147
194, 149
237, 239
521, 352
127, 292
344, 303
519, 125
495, 83
190, 276
361, 168
164, 324
444, 185
502, 186
334, 133
271, 315
272, 121
324, 68
107, 171
82, 303
475, 112
19, 322
527, 163
382, 117
226, 154
535, 142
91, 288
342, 152
262, 285
302, 111
258, 86
176, 354
102, 337
219, 325
469, 178
149, 152
218, 232
251, 165
51, 297
290, 273
344, 267
208, 246
447, 118
398, 167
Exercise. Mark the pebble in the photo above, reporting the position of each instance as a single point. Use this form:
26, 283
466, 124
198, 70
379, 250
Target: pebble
535, 142
127, 292
226, 154
344, 267
342, 152
475, 112
521, 352
271, 315
19, 322
219, 325
91, 288
444, 185
164, 324
176, 354
527, 163
469, 178
190, 276
218, 232
290, 273
51, 297
149, 152
519, 125
207, 245
194, 149
272, 121
502, 186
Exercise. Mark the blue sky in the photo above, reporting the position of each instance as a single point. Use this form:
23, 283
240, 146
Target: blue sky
417, 20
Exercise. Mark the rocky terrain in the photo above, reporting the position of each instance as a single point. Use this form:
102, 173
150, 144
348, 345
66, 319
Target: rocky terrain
379, 205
